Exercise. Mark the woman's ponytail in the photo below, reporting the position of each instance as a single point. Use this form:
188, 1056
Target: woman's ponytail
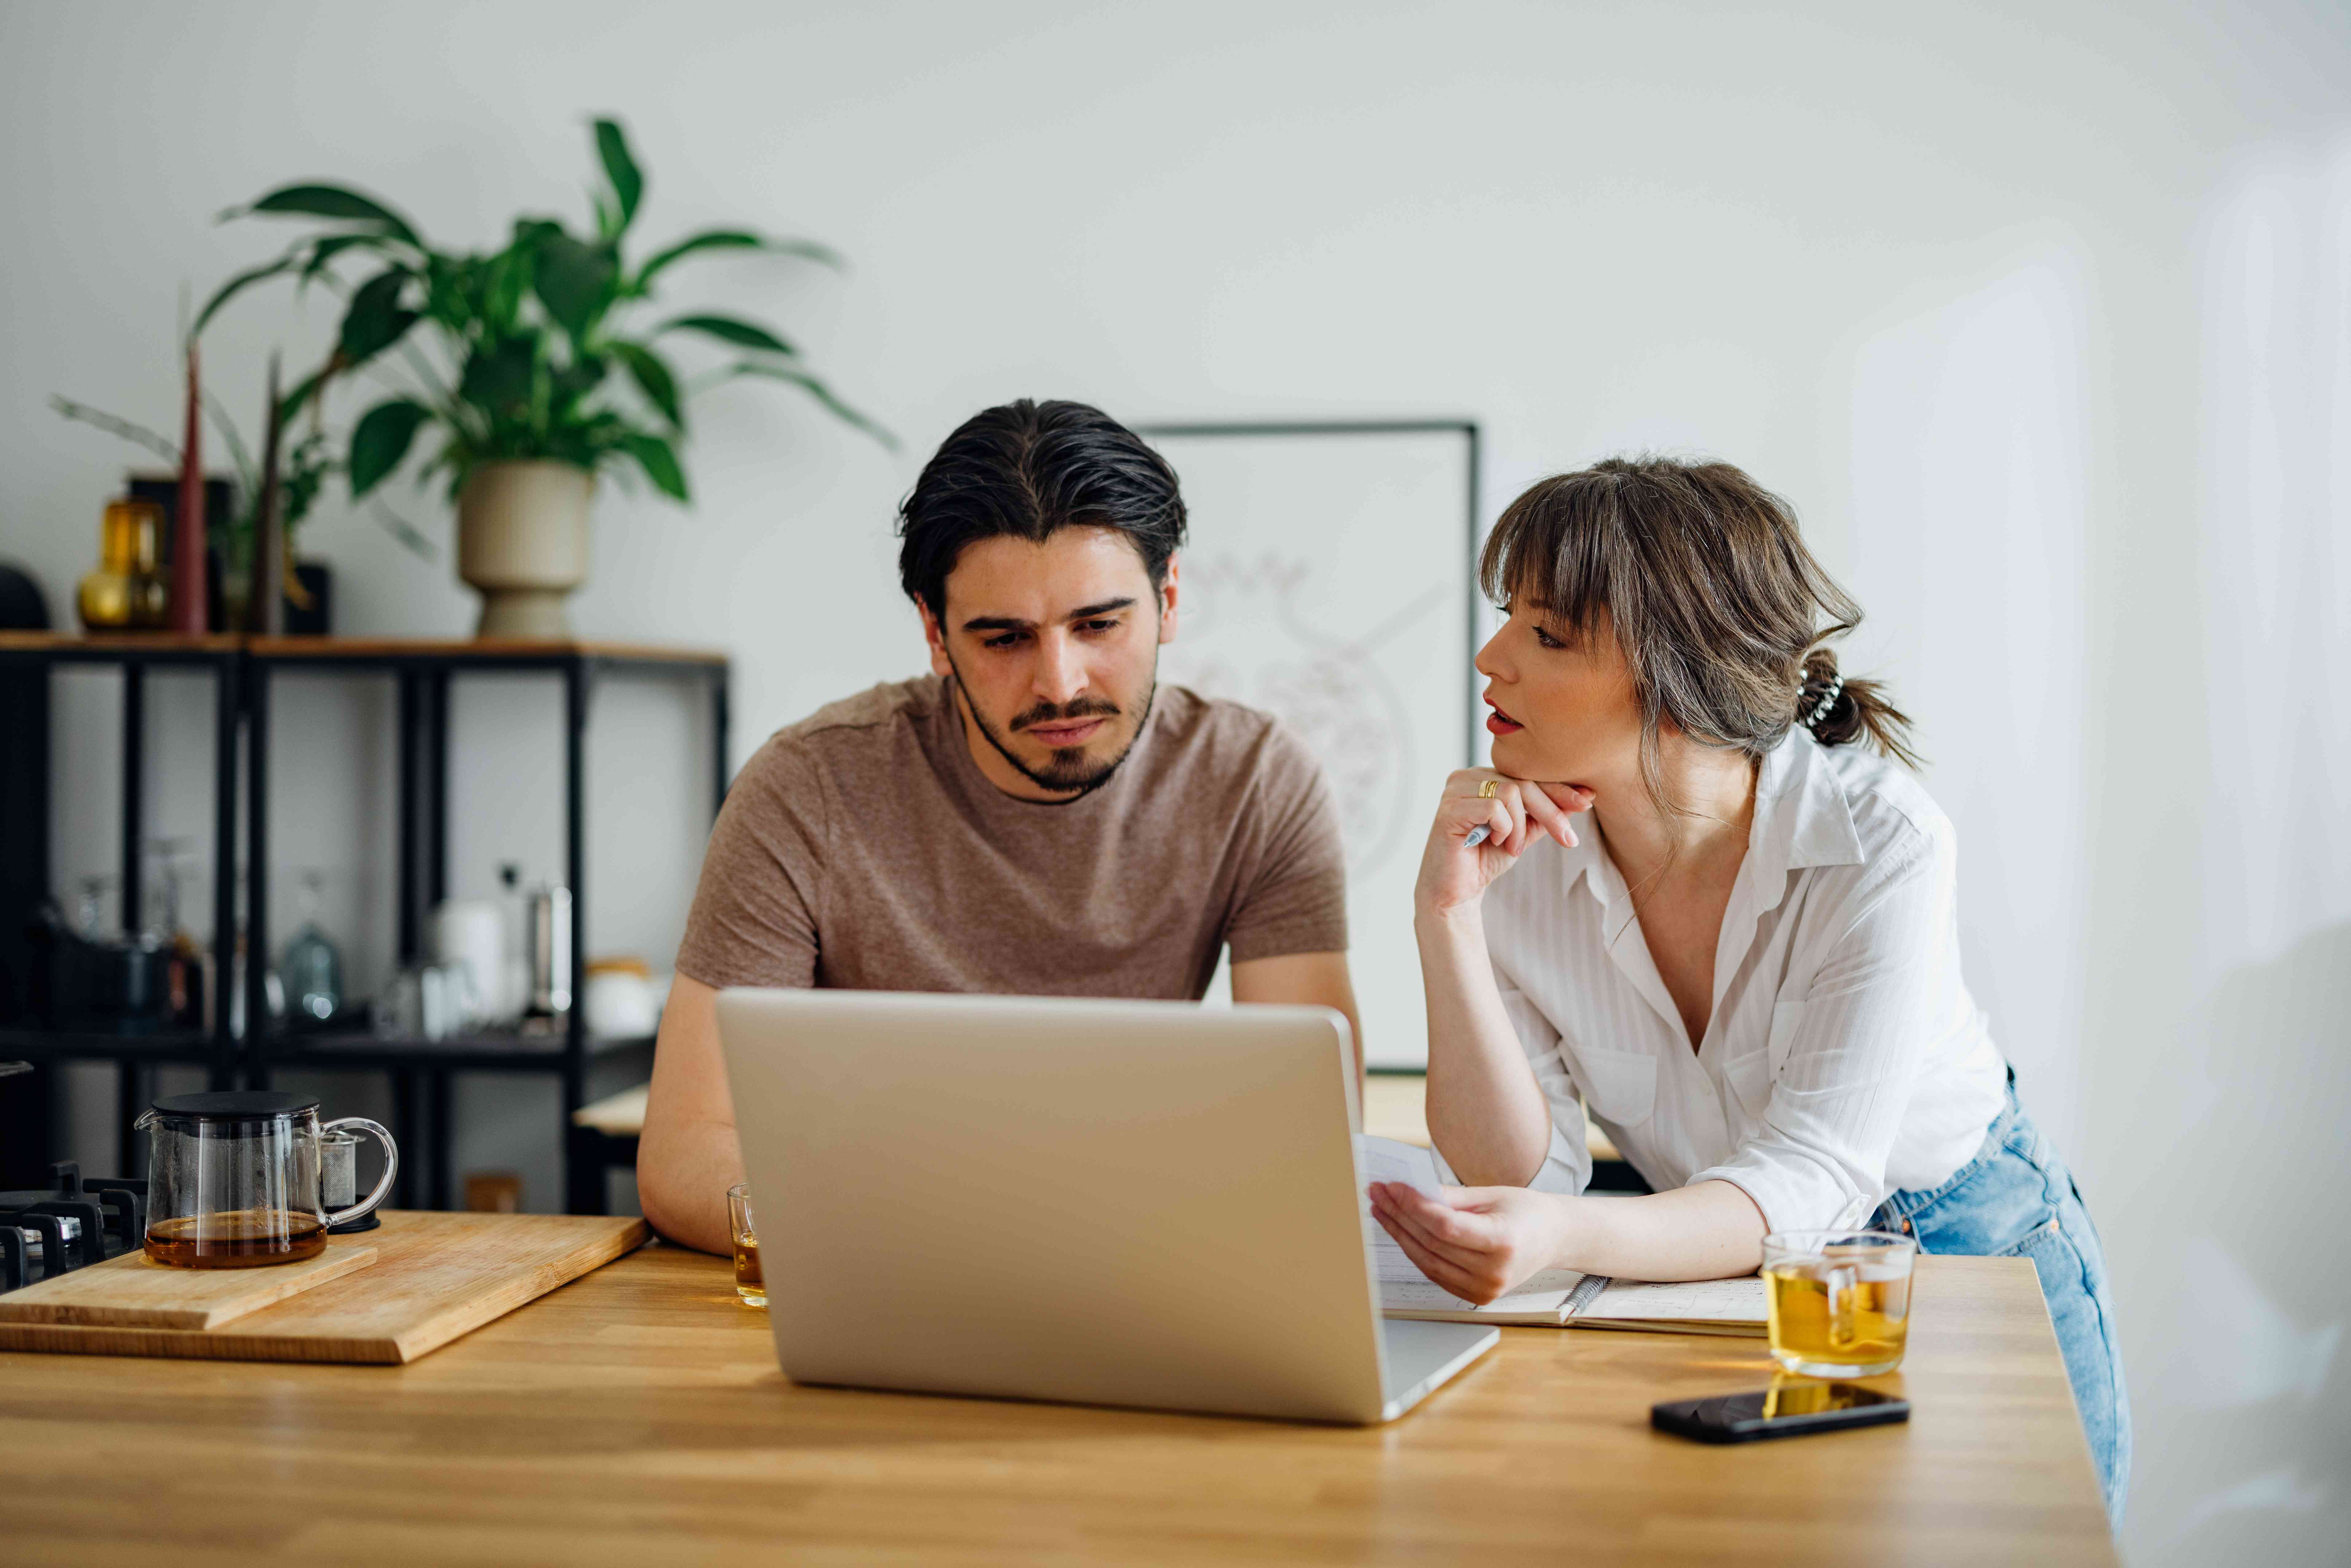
1840, 711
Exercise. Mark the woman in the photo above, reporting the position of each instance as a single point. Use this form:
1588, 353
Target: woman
1746, 965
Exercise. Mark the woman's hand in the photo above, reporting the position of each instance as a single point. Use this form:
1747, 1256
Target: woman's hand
1476, 1242
1511, 811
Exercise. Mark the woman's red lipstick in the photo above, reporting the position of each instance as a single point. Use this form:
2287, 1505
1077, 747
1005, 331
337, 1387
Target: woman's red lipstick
1499, 723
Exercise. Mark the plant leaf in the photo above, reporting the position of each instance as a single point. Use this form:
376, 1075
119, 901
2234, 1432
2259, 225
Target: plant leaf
506, 281
577, 379
498, 376
654, 378
824, 394
729, 329
376, 318
730, 239
238, 284
406, 532
247, 471
113, 426
291, 404
326, 250
628, 180
329, 201
381, 440
659, 462
573, 280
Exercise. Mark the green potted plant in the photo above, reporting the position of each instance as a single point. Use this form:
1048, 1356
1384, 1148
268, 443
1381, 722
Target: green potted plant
534, 364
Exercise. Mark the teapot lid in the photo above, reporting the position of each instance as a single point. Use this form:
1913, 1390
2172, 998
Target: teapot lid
237, 1105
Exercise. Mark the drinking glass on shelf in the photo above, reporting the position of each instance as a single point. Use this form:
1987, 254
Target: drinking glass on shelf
1839, 1301
750, 1283
314, 969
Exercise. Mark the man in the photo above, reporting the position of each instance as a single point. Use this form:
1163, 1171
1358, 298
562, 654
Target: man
1039, 817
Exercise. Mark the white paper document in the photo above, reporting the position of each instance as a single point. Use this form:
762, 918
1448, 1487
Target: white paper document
1561, 1297
1403, 1287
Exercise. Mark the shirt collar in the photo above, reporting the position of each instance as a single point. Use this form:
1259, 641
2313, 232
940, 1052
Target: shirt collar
1802, 819
1802, 816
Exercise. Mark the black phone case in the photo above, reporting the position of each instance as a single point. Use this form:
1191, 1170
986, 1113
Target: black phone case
1682, 1419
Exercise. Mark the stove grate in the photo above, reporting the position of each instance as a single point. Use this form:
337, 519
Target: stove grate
69, 1225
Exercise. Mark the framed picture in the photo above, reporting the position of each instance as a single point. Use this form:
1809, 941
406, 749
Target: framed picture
1329, 580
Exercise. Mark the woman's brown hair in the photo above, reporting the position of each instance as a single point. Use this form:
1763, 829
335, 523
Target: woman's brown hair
1714, 600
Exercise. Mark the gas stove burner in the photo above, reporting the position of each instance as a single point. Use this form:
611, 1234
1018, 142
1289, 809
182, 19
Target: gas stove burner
70, 1225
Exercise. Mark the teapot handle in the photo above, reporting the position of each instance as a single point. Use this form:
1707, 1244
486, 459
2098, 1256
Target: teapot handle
390, 1167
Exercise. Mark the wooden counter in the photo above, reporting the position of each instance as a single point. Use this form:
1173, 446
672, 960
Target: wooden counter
637, 1417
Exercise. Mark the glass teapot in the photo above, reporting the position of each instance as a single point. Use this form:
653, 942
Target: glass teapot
233, 1179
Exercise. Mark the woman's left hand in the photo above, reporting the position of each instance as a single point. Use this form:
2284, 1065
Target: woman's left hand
1476, 1242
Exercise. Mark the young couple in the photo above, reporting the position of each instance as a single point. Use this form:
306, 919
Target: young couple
1712, 911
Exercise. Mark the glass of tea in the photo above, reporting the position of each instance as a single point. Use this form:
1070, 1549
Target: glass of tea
1839, 1299
751, 1284
234, 1179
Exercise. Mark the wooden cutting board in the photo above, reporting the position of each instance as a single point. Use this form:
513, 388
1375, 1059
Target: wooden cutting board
130, 1291
435, 1277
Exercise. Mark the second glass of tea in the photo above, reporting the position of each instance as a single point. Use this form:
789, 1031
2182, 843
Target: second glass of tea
751, 1284
1839, 1301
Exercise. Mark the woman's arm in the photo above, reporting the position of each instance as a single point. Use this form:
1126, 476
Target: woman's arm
1477, 1242
1486, 1114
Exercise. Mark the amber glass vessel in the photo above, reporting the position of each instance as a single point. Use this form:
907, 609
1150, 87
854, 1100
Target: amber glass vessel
127, 592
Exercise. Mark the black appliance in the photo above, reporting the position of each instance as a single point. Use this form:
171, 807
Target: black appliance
69, 1225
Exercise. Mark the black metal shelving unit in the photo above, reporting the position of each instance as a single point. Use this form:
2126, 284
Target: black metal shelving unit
136, 1053
424, 672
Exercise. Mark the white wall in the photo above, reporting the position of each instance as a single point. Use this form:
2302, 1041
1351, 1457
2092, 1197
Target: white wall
2036, 310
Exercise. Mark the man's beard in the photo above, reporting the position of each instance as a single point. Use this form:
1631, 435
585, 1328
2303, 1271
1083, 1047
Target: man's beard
1069, 770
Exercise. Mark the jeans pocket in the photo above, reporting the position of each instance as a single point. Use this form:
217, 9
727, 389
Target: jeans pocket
1991, 1213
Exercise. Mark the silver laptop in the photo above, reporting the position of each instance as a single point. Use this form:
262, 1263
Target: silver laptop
1145, 1204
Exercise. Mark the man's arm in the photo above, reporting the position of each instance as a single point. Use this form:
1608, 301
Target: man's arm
1317, 979
688, 1156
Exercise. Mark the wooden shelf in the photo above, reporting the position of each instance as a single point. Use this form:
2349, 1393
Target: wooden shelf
470, 649
117, 647
488, 1052
358, 650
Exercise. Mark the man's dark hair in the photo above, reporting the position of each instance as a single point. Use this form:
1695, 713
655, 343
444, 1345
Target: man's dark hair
1030, 469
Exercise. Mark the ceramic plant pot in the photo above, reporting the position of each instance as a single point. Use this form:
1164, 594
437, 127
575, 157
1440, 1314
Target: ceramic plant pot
522, 543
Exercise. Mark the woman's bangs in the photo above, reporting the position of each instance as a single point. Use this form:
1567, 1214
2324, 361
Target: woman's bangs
1548, 551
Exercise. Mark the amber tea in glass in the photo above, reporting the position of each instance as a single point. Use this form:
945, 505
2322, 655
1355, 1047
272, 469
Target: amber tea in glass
750, 1283
239, 1238
234, 1179
1839, 1301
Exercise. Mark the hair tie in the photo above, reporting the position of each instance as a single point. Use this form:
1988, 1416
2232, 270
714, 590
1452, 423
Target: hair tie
1828, 700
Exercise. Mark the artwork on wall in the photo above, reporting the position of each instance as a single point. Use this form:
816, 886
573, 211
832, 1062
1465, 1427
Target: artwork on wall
1329, 582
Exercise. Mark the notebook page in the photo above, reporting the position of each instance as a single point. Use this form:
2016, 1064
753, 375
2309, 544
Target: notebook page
1714, 1301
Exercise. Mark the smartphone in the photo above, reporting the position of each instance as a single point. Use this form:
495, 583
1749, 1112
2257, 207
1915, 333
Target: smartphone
1786, 1410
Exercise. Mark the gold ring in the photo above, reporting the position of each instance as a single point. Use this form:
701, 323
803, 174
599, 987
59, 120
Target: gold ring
1485, 790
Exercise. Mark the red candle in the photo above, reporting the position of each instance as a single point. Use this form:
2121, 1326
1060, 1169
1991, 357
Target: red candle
187, 604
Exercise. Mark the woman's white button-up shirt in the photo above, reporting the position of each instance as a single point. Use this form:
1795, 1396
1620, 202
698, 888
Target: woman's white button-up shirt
1843, 1058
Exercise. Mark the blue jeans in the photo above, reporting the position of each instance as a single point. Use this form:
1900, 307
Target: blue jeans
2017, 1199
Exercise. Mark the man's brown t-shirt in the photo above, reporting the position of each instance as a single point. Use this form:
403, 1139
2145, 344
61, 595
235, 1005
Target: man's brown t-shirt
863, 848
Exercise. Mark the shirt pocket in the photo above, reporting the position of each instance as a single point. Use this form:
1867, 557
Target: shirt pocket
1750, 1076
1787, 1017
1619, 1086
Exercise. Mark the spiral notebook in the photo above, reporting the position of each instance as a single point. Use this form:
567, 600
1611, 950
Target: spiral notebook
1557, 1298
